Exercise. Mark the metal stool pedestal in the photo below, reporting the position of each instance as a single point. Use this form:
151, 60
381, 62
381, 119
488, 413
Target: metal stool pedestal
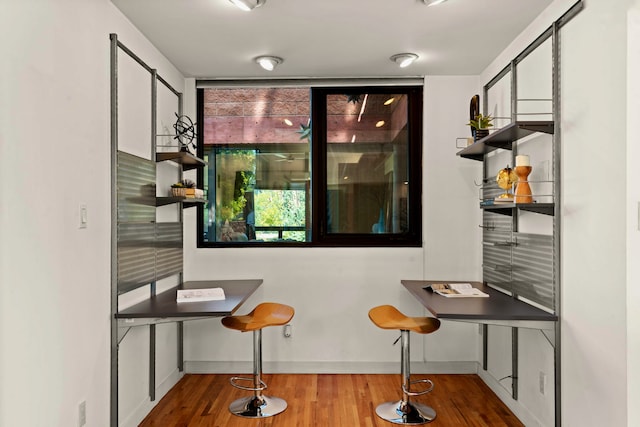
404, 411
258, 405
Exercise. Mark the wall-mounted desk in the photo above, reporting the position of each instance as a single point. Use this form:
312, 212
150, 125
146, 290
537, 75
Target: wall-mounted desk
497, 309
163, 307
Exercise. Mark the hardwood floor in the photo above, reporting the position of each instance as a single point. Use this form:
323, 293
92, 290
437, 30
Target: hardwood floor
328, 400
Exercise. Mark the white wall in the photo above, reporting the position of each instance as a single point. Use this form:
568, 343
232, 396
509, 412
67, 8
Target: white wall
633, 217
450, 208
54, 150
594, 348
593, 108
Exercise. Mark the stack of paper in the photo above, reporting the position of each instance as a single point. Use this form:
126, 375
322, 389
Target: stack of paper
193, 295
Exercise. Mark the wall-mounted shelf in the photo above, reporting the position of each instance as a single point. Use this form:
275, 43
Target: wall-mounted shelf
503, 138
187, 202
505, 243
187, 160
507, 208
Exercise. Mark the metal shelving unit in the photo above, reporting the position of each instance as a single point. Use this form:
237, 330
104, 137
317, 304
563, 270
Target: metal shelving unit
143, 251
533, 268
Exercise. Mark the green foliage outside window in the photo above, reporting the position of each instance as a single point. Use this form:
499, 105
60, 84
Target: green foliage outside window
278, 208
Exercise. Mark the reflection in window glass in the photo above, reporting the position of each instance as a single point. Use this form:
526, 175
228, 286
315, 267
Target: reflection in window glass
367, 163
256, 144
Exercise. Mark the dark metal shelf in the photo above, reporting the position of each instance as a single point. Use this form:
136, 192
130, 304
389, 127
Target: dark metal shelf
187, 202
507, 208
187, 160
504, 137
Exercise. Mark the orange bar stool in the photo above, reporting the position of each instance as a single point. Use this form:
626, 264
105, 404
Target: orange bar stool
404, 411
263, 315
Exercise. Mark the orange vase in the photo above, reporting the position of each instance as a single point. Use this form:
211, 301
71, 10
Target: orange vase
523, 190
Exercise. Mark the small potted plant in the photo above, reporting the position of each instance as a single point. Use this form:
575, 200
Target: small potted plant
184, 188
480, 126
178, 189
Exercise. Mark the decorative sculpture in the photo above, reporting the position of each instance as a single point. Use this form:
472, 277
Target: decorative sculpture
185, 134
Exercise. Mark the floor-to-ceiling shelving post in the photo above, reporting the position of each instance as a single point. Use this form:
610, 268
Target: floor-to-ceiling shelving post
114, 234
556, 164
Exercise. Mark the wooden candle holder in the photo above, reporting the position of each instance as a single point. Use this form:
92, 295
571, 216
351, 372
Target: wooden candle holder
523, 190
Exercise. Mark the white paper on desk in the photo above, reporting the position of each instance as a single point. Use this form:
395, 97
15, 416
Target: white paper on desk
194, 295
459, 290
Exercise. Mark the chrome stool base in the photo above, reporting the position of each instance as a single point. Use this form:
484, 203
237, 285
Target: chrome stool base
411, 413
257, 407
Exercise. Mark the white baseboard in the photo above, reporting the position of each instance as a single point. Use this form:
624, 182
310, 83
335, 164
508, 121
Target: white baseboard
204, 367
519, 410
142, 410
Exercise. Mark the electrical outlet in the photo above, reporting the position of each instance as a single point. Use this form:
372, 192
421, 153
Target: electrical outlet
542, 382
82, 413
286, 331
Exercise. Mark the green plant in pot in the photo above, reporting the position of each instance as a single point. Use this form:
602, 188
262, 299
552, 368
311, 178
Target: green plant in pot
480, 126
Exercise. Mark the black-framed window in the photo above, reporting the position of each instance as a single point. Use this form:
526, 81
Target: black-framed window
311, 166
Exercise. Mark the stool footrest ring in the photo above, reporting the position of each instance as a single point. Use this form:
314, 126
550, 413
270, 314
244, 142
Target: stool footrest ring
234, 382
418, 393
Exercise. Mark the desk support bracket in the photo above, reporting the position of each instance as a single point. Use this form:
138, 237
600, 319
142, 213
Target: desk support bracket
485, 346
122, 332
551, 340
180, 326
514, 363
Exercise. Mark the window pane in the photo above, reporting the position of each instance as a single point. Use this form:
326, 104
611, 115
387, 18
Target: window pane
256, 144
367, 163
354, 179
280, 214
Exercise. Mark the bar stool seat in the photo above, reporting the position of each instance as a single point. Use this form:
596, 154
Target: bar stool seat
263, 315
404, 411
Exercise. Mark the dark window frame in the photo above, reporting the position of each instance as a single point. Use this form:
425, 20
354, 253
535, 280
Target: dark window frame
413, 237
319, 237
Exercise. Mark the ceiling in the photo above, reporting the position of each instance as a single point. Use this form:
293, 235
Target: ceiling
330, 38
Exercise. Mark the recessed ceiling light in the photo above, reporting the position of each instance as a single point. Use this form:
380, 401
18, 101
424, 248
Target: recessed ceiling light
433, 2
269, 62
380, 124
389, 101
404, 59
288, 122
248, 5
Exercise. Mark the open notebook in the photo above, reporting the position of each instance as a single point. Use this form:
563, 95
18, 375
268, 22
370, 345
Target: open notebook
455, 290
193, 295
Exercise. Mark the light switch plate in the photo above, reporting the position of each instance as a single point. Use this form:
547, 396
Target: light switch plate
82, 212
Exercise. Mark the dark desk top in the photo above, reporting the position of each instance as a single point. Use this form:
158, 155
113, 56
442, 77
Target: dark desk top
498, 306
164, 304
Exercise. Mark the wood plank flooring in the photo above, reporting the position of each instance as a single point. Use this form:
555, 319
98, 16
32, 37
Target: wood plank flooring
328, 400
